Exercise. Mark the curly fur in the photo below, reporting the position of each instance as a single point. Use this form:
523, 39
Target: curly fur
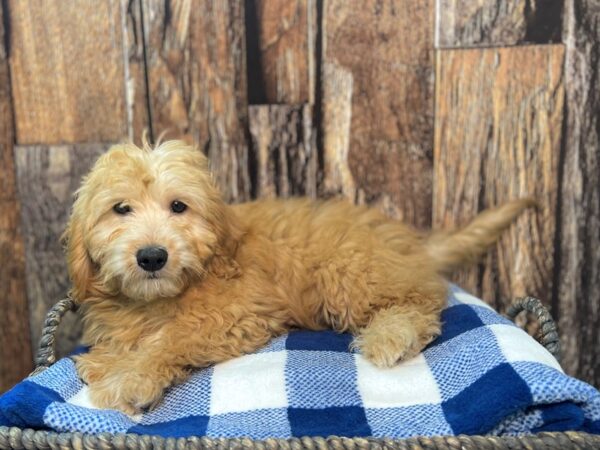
238, 275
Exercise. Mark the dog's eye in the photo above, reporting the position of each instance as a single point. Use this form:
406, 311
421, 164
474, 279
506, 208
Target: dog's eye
178, 207
122, 209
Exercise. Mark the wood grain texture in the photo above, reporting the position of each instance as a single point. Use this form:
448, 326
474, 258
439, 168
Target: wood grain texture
15, 344
66, 62
285, 35
484, 23
197, 77
499, 115
337, 117
387, 48
285, 147
47, 177
577, 297
136, 104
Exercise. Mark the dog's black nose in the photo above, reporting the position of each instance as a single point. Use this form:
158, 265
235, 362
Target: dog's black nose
152, 258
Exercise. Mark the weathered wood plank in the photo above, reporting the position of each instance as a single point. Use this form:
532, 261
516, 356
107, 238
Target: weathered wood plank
484, 23
66, 62
337, 117
197, 78
285, 148
387, 48
577, 296
136, 104
499, 114
15, 344
167, 41
286, 45
47, 177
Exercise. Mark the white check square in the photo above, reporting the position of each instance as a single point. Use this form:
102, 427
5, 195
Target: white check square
409, 383
516, 346
469, 299
250, 382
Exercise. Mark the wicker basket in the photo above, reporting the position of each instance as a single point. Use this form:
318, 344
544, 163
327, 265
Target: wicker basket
16, 438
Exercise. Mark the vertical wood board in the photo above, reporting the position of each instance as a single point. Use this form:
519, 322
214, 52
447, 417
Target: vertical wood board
387, 47
285, 33
15, 344
337, 88
285, 147
499, 116
577, 296
136, 102
195, 50
67, 67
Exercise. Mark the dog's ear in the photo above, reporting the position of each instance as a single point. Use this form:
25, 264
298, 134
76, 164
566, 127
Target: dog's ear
223, 263
224, 266
79, 263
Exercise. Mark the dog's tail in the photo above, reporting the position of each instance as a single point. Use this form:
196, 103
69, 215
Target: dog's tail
466, 245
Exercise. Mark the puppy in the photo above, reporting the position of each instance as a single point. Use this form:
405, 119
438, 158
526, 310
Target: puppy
171, 278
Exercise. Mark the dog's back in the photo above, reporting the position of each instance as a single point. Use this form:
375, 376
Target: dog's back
303, 222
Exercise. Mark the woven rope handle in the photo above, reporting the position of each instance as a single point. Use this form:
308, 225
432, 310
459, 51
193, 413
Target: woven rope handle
46, 354
548, 333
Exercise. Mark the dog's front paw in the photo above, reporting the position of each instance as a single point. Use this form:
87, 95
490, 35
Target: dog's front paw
386, 347
386, 351
130, 392
394, 335
92, 367
113, 386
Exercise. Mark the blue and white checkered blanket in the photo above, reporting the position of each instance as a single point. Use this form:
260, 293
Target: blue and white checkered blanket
483, 375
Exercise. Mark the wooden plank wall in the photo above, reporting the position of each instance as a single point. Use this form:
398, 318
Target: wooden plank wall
15, 343
429, 110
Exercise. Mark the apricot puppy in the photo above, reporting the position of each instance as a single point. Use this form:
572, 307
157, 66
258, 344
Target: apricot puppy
170, 278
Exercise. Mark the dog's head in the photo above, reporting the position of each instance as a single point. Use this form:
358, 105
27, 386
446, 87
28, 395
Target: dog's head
146, 223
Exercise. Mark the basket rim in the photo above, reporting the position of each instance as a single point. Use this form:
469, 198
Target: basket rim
17, 438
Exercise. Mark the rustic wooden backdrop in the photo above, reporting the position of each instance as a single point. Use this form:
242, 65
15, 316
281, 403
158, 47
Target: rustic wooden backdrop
430, 110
